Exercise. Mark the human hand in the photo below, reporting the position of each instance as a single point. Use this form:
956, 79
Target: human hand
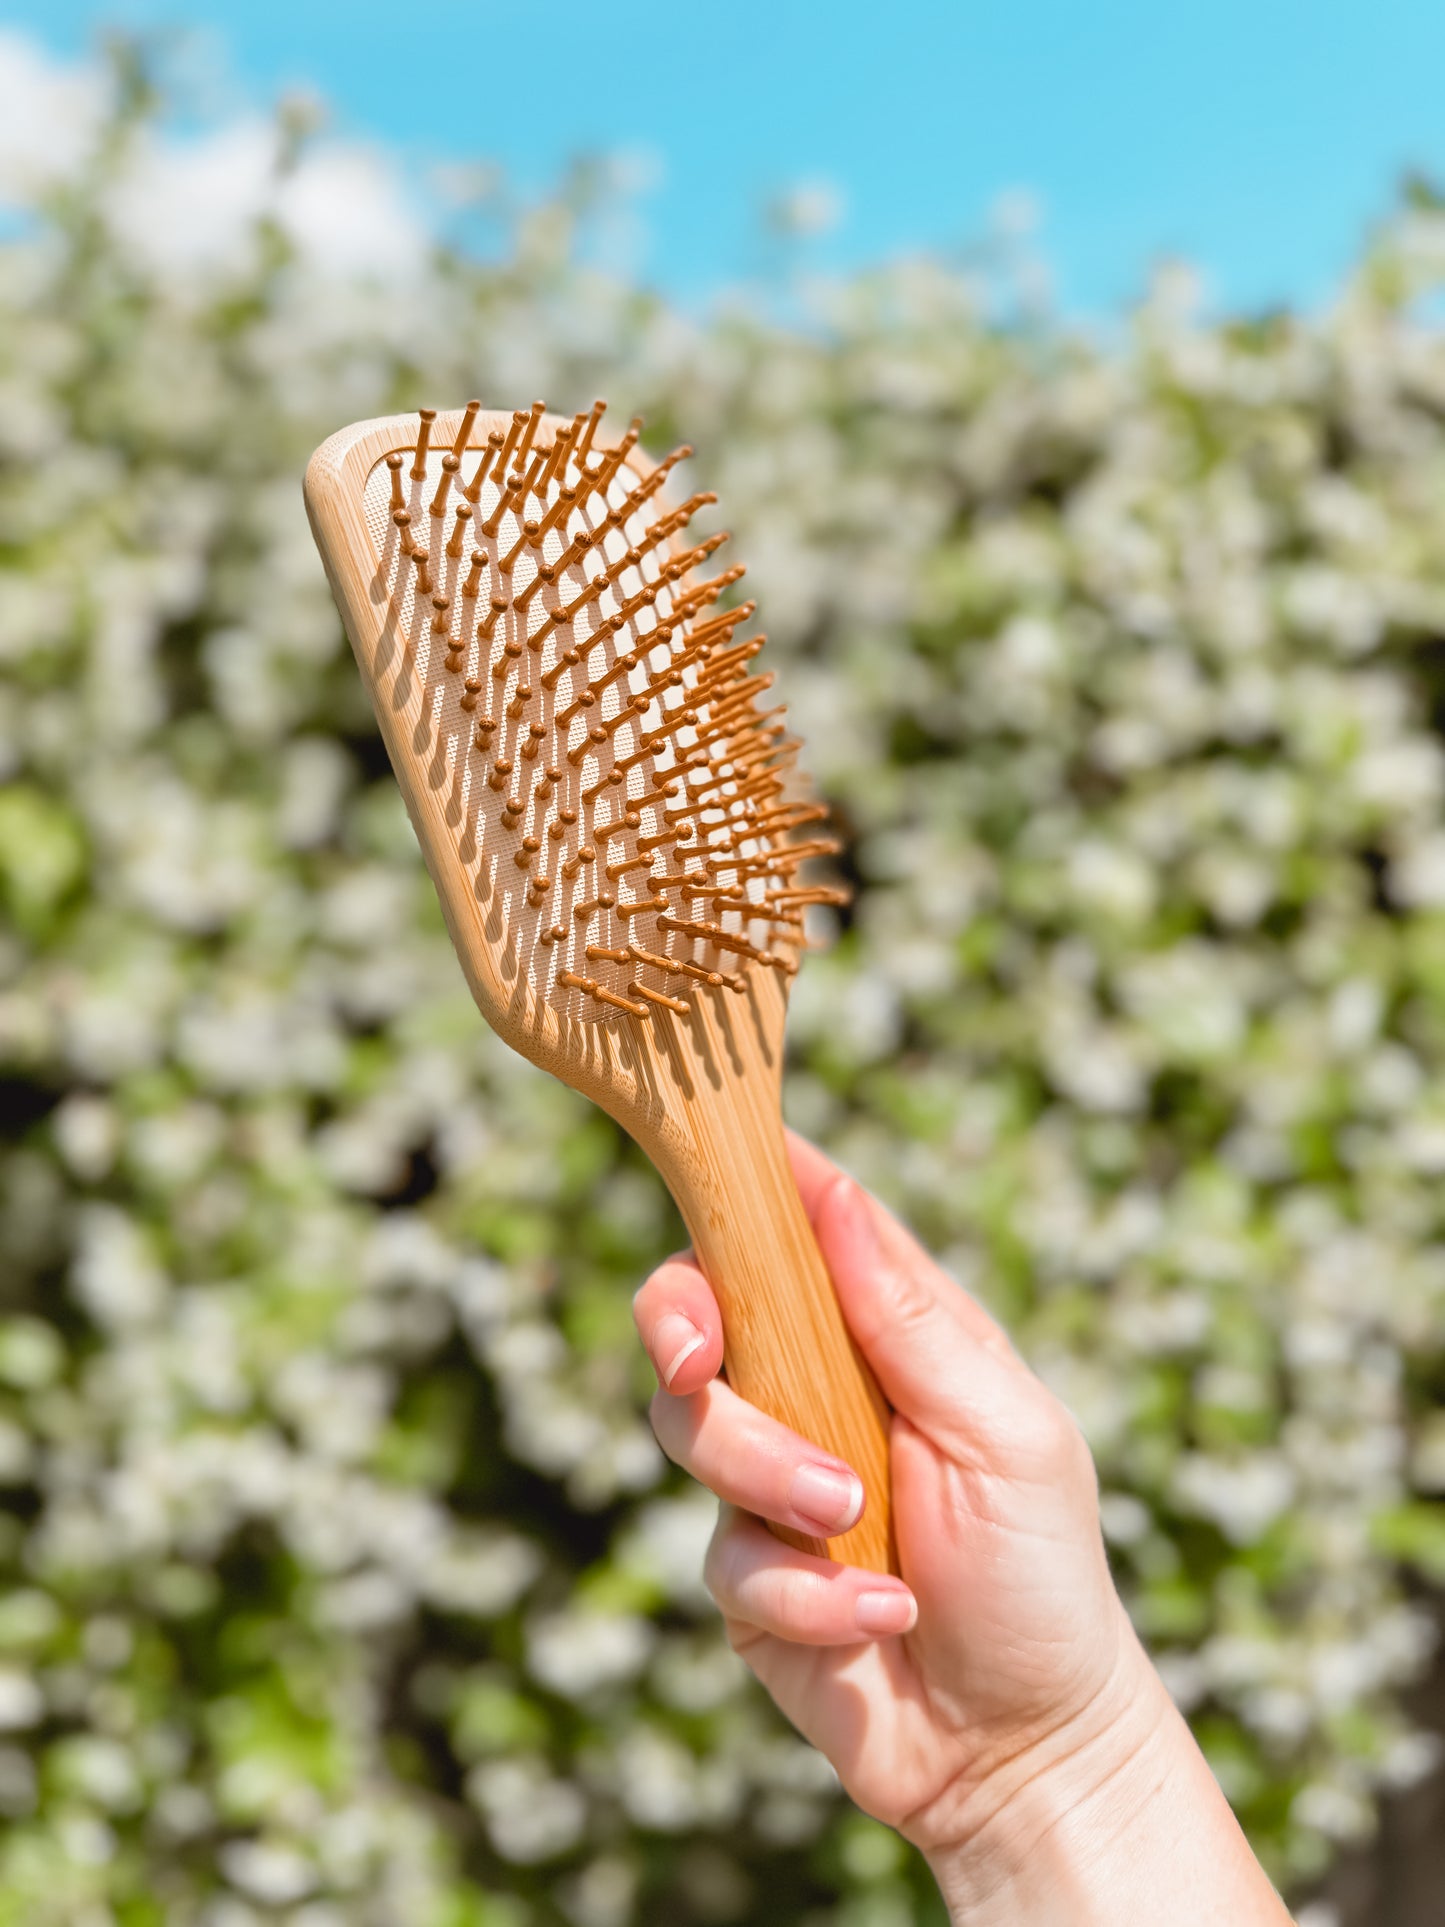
997, 1688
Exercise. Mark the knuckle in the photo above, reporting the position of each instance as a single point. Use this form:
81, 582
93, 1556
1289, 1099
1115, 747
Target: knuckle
1048, 1434
905, 1304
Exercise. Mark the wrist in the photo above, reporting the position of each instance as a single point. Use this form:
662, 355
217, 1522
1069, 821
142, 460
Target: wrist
1055, 1804
1115, 1822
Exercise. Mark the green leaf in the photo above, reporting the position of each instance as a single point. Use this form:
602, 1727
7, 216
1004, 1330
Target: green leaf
42, 857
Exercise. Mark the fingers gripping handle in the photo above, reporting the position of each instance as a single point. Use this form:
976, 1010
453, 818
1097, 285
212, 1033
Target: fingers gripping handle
786, 1346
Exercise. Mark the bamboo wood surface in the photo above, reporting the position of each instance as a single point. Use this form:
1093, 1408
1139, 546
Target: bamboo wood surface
700, 1091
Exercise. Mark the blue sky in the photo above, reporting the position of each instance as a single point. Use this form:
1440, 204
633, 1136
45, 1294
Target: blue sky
1259, 138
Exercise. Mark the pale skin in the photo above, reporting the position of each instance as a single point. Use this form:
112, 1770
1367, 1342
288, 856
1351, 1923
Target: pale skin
993, 1704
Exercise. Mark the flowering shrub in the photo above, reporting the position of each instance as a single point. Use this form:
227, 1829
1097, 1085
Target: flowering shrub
343, 1583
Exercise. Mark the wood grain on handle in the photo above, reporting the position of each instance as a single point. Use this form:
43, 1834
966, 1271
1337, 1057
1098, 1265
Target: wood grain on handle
787, 1348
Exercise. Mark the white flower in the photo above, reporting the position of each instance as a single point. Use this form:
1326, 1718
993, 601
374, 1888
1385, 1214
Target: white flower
1098, 1067
1411, 1758
404, 1249
530, 1815
667, 1541
268, 1871
88, 1133
1125, 1519
1111, 879
1184, 1678
576, 1652
482, 1573
365, 1602
21, 1701
31, 1353
1318, 1913
102, 1770
1338, 1812
604, 1894
115, 1273
1417, 871
696, 1674
1242, 1499
665, 1787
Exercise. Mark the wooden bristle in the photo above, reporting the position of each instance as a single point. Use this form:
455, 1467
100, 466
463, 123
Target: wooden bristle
464, 433
473, 488
659, 997
450, 465
584, 446
601, 994
521, 418
604, 900
642, 861
423, 440
626, 757
496, 608
463, 515
474, 575
557, 461
539, 408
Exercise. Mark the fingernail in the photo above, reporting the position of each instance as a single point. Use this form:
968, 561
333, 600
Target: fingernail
826, 1496
675, 1339
886, 1613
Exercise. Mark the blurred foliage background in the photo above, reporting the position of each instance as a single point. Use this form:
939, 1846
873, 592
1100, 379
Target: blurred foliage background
341, 1583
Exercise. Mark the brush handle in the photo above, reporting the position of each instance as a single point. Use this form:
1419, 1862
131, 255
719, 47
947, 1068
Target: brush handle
787, 1348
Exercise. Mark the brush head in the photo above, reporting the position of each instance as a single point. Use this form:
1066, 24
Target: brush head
589, 745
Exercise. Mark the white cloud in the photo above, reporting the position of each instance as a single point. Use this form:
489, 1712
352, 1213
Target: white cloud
345, 209
194, 205
49, 114
190, 205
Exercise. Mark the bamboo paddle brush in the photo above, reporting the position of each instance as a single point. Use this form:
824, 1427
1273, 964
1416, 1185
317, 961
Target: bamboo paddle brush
607, 809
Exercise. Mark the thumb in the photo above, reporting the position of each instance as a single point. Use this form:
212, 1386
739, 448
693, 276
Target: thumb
939, 1358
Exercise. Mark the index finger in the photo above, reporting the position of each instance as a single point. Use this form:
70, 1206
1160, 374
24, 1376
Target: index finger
815, 1175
